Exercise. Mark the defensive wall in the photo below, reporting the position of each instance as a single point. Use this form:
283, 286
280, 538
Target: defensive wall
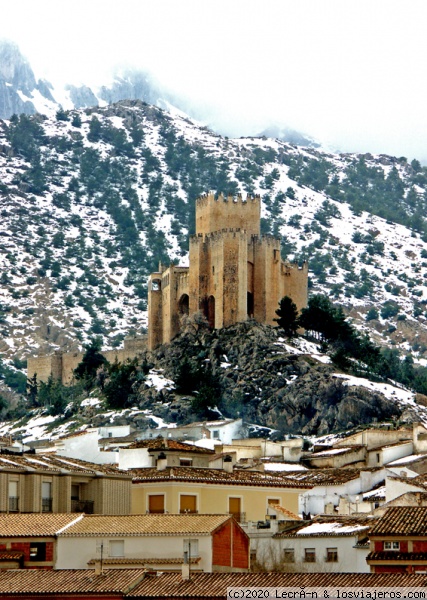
61, 365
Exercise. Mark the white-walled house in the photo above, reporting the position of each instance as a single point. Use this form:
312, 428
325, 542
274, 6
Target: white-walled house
323, 545
145, 453
84, 446
330, 485
222, 431
115, 431
408, 466
213, 542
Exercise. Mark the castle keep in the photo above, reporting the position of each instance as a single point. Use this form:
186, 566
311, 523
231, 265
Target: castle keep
234, 273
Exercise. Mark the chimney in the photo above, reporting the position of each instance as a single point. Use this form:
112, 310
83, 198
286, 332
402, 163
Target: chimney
228, 464
98, 566
162, 462
185, 568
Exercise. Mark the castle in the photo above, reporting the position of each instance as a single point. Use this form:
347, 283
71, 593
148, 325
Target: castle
234, 273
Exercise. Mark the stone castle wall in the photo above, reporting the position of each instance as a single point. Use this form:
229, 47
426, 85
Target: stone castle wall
234, 273
61, 365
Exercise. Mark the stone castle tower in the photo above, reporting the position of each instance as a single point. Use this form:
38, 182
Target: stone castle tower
234, 273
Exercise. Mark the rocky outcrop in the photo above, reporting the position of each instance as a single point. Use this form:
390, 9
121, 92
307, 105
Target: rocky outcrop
264, 382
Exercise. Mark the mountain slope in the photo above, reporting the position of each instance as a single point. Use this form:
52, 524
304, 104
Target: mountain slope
91, 200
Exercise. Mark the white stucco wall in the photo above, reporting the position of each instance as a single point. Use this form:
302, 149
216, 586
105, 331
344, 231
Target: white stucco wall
115, 431
227, 432
134, 458
74, 553
350, 559
395, 488
314, 500
86, 447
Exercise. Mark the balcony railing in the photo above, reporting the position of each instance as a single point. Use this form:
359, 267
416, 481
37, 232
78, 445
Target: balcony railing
46, 504
85, 506
13, 504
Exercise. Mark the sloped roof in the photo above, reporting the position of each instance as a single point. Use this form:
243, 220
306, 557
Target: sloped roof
56, 463
34, 524
145, 525
402, 520
213, 585
218, 476
393, 556
63, 581
333, 526
144, 561
170, 444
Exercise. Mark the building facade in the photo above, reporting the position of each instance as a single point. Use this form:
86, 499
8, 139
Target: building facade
235, 273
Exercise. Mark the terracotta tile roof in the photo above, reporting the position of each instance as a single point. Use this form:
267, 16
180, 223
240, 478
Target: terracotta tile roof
402, 520
334, 452
144, 561
218, 476
34, 524
11, 555
125, 439
169, 444
56, 463
72, 581
392, 556
324, 476
214, 585
285, 512
333, 526
145, 525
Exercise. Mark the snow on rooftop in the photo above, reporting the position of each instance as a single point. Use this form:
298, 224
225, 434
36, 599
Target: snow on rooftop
406, 459
331, 528
271, 466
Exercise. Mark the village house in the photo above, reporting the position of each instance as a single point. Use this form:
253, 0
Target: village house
327, 487
324, 545
49, 483
212, 542
223, 431
163, 452
407, 499
246, 495
375, 437
29, 540
408, 466
398, 541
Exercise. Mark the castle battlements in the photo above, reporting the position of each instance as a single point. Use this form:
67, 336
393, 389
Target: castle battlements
219, 213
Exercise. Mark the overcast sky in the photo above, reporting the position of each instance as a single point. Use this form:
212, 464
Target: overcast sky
349, 72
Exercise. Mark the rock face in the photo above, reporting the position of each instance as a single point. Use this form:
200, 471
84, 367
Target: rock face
263, 382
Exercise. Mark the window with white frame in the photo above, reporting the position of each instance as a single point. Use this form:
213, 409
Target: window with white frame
392, 546
117, 548
192, 547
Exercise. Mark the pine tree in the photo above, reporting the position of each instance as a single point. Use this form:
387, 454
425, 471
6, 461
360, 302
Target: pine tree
287, 316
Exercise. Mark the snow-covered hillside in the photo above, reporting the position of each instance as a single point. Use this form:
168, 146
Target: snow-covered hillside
91, 200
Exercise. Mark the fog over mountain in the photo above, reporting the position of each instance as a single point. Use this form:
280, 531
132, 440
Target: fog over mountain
346, 74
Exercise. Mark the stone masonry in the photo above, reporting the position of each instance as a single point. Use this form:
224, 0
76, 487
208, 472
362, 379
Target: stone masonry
234, 273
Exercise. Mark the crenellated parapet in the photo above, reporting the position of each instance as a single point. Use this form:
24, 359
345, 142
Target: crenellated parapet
216, 213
